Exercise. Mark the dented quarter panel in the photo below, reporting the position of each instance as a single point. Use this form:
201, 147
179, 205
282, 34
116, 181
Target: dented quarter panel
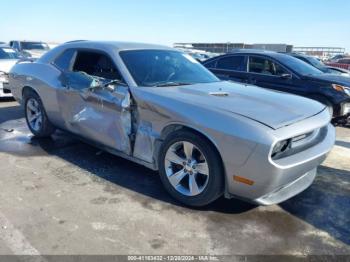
44, 79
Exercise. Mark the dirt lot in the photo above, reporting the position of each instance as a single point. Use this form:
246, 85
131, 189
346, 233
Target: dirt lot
60, 196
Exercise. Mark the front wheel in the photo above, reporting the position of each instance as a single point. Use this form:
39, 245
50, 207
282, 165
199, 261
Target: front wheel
191, 169
36, 117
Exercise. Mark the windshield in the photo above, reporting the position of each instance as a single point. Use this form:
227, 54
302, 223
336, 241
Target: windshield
315, 62
34, 45
165, 67
8, 53
299, 66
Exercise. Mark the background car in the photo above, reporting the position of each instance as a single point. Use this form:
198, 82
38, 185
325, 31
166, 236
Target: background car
161, 108
344, 61
8, 58
336, 58
285, 73
320, 65
30, 49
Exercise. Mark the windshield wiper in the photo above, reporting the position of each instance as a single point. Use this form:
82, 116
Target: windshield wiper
164, 84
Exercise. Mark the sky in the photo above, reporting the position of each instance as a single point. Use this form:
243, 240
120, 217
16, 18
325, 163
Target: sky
296, 22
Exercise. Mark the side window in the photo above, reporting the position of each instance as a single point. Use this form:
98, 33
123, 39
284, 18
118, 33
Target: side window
279, 70
235, 63
211, 64
261, 65
96, 64
64, 61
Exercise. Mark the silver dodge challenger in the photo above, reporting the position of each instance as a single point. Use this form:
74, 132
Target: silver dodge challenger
160, 108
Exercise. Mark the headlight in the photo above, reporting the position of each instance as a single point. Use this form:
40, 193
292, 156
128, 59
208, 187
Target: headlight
298, 143
281, 147
3, 77
341, 88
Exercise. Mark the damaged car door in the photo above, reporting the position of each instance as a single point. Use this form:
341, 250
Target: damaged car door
93, 106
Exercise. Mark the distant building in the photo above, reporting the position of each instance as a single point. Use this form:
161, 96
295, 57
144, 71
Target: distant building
228, 47
274, 47
322, 52
213, 47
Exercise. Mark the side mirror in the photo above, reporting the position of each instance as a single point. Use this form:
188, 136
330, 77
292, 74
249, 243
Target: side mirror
286, 76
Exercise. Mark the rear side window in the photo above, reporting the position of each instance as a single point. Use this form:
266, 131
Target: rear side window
261, 65
235, 63
64, 61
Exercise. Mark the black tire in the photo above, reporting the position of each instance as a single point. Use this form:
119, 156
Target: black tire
46, 129
215, 185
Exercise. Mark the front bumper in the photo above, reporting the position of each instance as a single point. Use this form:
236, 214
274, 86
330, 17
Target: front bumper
275, 181
345, 109
4, 92
289, 190
343, 116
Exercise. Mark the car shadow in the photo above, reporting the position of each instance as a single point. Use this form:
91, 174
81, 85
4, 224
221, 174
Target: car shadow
326, 204
10, 112
124, 173
343, 144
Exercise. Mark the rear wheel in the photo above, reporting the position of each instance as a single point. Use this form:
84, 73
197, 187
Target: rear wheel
36, 117
191, 169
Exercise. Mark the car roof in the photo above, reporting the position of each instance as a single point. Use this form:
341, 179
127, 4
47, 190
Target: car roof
272, 54
119, 46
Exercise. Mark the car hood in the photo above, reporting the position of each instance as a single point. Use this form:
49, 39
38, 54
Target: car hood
329, 78
7, 64
271, 108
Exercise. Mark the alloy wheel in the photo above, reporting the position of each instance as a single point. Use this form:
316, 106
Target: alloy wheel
186, 168
34, 114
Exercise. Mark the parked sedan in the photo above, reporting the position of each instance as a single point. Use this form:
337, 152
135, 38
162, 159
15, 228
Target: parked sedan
344, 61
336, 58
288, 74
29, 49
320, 65
8, 58
161, 108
